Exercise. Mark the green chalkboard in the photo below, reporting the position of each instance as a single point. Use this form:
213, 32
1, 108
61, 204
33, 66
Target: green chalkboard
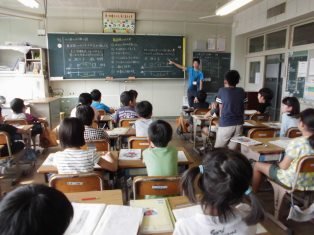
120, 56
214, 66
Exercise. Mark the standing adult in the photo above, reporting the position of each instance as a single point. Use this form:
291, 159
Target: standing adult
196, 78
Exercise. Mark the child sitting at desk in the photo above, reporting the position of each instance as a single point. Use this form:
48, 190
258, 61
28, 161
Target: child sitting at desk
35, 209
290, 114
284, 172
86, 114
160, 159
73, 159
127, 111
264, 97
201, 101
223, 181
96, 96
144, 110
85, 99
134, 95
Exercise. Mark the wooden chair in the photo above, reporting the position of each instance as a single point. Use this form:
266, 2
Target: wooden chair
101, 145
200, 111
156, 185
261, 133
127, 122
77, 183
260, 117
305, 165
5, 140
293, 132
138, 142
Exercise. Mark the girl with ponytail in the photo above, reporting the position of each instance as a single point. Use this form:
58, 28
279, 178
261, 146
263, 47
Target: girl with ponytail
223, 182
284, 171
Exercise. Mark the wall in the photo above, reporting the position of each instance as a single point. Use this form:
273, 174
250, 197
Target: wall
165, 95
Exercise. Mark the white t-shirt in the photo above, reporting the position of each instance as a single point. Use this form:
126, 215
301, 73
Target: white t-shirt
73, 113
287, 122
201, 224
18, 116
141, 127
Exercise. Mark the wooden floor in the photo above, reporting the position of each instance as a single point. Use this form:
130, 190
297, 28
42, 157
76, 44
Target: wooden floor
265, 197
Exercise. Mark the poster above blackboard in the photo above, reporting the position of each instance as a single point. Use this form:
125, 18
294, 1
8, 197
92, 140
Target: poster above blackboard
85, 56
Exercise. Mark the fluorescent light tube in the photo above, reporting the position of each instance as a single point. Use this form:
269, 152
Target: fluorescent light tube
231, 6
30, 3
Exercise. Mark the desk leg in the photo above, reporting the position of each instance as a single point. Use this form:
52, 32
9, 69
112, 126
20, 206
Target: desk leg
194, 132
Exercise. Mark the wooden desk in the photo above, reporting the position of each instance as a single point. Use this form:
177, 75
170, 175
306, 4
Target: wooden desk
112, 197
105, 119
249, 124
198, 120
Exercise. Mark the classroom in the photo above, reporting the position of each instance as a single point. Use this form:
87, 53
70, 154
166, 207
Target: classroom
156, 117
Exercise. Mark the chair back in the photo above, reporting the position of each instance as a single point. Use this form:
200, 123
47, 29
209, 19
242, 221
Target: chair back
127, 122
200, 111
156, 185
138, 142
100, 145
5, 140
293, 132
306, 164
260, 117
77, 183
16, 122
261, 133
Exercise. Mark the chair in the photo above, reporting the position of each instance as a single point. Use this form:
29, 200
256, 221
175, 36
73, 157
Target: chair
200, 111
138, 142
305, 165
209, 137
101, 145
77, 183
127, 122
293, 132
5, 140
260, 117
261, 133
155, 186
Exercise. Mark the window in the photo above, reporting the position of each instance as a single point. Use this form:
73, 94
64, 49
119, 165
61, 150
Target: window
303, 34
276, 40
255, 72
256, 44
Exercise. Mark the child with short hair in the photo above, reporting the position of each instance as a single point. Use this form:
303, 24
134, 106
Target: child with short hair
85, 99
284, 172
264, 97
127, 111
36, 210
96, 96
160, 159
223, 181
231, 100
73, 159
134, 95
86, 114
144, 110
290, 114
201, 100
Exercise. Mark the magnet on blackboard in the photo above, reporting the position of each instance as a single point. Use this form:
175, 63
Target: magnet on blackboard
59, 45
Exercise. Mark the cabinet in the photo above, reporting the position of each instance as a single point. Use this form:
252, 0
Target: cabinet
36, 61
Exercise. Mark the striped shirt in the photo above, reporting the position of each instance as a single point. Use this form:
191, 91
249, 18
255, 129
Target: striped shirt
75, 161
91, 133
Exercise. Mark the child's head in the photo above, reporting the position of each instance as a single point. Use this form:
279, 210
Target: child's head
265, 95
232, 78
96, 95
196, 63
71, 133
17, 105
160, 133
224, 178
134, 95
291, 105
126, 99
306, 124
35, 209
85, 114
201, 96
144, 109
85, 99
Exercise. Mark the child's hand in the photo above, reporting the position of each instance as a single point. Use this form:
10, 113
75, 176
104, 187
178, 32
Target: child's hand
170, 62
196, 100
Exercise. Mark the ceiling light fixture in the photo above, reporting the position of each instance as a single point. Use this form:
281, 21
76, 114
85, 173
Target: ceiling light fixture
231, 6
30, 3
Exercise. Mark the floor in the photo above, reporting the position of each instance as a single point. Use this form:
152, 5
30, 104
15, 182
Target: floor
266, 197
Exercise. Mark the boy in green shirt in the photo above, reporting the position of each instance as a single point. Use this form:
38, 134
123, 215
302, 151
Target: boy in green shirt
160, 159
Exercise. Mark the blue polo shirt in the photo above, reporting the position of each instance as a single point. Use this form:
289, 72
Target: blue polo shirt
100, 106
196, 76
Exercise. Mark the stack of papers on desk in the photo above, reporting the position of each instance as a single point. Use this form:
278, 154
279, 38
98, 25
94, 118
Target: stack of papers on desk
130, 154
245, 141
282, 143
118, 131
272, 124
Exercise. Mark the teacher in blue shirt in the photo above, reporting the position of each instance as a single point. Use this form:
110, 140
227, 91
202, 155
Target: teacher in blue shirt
196, 78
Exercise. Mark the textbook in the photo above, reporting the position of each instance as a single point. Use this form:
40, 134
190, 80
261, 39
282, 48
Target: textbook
98, 219
157, 215
130, 154
187, 212
245, 141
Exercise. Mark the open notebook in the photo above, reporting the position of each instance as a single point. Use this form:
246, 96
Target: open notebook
245, 141
130, 154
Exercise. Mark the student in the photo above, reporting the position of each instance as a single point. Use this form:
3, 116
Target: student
96, 96
73, 159
15, 137
144, 110
134, 95
36, 210
201, 101
231, 101
223, 182
160, 159
264, 97
127, 110
284, 172
290, 114
85, 99
86, 114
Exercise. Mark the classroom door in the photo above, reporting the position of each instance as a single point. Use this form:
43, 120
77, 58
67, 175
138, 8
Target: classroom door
274, 68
